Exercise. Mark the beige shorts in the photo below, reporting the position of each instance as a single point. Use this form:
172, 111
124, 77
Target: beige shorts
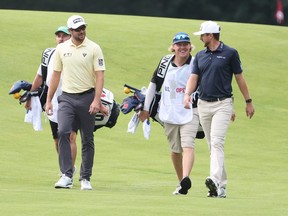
182, 136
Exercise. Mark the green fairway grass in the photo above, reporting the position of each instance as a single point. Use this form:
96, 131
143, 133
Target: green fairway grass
131, 175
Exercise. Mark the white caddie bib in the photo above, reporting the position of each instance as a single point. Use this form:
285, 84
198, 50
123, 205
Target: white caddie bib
173, 90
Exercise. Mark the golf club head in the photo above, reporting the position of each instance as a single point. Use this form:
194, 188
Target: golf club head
128, 104
20, 85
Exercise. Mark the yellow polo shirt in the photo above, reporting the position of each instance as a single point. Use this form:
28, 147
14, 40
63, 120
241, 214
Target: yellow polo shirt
77, 64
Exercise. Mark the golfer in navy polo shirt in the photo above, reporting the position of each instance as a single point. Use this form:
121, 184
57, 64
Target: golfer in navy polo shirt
213, 69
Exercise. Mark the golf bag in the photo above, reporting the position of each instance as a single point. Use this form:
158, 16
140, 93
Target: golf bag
41, 92
107, 99
136, 102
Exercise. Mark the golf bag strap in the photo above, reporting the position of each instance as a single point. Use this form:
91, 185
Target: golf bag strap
162, 70
160, 76
46, 57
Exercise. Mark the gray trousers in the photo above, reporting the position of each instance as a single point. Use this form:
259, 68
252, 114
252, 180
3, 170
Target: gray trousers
74, 108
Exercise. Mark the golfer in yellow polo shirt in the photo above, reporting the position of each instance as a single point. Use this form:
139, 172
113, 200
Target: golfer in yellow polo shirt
81, 63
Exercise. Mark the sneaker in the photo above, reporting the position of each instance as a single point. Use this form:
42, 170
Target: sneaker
210, 194
185, 185
176, 192
64, 182
85, 185
222, 193
212, 186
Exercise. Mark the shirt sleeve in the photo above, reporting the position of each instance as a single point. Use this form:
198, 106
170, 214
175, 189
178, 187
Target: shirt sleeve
157, 80
99, 63
57, 61
39, 71
149, 95
154, 76
236, 65
195, 67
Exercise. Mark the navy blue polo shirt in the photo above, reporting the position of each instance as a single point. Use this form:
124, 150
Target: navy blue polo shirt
215, 70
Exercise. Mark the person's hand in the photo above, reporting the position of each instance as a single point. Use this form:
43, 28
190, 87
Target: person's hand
143, 115
49, 108
233, 117
187, 101
95, 107
103, 110
28, 104
250, 110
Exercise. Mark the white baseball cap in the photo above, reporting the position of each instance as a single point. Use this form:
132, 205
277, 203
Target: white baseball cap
75, 21
208, 27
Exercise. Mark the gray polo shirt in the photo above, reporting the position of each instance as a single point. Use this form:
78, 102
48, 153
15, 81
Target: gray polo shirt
215, 70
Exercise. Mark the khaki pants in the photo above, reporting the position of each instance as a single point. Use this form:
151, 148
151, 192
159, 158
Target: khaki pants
215, 118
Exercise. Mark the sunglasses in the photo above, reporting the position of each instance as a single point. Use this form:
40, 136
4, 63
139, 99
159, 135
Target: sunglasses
83, 27
179, 37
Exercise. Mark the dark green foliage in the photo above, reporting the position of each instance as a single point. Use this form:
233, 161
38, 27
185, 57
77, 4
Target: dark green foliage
246, 11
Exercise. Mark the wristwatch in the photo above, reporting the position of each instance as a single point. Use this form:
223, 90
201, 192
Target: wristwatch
249, 100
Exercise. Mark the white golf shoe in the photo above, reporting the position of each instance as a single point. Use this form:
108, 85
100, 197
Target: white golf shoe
64, 182
85, 185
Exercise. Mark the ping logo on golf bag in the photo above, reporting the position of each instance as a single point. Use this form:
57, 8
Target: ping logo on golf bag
163, 66
46, 56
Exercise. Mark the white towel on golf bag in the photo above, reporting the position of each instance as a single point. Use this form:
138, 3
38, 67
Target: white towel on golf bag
33, 116
133, 123
146, 129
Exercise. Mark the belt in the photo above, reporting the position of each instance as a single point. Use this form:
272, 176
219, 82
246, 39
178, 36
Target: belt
215, 99
82, 93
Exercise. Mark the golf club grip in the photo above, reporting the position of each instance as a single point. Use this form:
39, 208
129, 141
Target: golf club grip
128, 86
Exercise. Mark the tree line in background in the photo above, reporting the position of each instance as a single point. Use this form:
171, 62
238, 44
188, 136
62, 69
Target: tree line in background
245, 11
